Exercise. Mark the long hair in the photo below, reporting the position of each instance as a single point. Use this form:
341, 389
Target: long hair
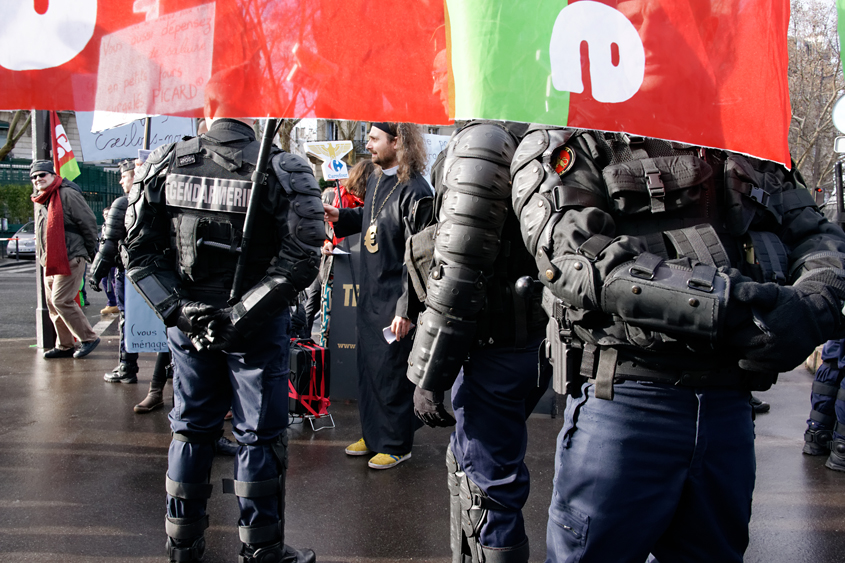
356, 184
410, 150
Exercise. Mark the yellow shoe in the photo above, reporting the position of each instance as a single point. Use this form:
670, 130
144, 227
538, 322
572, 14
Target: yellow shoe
386, 461
110, 310
358, 448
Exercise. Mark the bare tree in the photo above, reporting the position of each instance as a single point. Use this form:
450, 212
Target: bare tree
815, 83
15, 132
285, 129
346, 132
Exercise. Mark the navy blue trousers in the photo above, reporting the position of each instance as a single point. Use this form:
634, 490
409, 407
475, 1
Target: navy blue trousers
659, 469
253, 381
492, 398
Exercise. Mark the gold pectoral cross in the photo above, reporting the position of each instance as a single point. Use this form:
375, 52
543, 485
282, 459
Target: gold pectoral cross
370, 239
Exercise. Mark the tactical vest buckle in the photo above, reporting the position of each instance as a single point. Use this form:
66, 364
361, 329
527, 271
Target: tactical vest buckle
655, 185
759, 195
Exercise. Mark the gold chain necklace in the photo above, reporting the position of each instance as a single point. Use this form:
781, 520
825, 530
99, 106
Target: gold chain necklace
370, 240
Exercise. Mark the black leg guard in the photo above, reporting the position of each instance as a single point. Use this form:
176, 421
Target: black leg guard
455, 533
468, 508
817, 441
185, 540
266, 544
836, 459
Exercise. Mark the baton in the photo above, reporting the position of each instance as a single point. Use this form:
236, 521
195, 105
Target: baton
259, 179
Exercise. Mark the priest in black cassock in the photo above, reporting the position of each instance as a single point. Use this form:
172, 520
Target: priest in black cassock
398, 203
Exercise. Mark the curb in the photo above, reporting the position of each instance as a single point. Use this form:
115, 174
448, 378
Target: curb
8, 262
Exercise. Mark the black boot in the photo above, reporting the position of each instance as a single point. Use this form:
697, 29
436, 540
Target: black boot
123, 373
817, 441
275, 553
190, 551
836, 459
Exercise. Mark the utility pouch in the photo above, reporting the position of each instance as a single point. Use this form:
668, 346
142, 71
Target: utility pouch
419, 255
667, 297
656, 185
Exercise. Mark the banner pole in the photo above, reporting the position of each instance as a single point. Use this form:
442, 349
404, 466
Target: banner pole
45, 333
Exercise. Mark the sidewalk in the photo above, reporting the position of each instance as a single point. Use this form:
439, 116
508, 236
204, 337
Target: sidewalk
84, 477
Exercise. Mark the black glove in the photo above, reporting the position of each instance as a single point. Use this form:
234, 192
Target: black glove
193, 317
788, 322
221, 333
94, 284
428, 406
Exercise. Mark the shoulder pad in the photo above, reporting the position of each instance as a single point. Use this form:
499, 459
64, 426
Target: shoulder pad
153, 161
160, 153
485, 141
191, 145
121, 203
295, 174
291, 163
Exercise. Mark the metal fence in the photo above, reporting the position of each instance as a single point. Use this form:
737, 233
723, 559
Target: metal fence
99, 186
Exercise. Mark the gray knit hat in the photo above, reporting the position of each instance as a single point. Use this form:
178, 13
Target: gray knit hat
41, 166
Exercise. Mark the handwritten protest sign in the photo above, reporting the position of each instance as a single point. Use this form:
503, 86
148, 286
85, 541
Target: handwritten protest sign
433, 145
143, 331
124, 141
157, 66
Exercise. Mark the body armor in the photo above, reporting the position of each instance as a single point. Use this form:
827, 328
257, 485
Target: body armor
636, 276
471, 259
201, 187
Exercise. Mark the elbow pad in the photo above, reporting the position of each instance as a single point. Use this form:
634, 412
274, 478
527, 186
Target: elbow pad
670, 298
263, 302
159, 288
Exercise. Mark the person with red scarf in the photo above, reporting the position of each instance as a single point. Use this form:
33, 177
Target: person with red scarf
65, 238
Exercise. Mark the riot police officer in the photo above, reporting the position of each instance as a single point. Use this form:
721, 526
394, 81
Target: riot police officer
480, 336
185, 226
107, 258
677, 280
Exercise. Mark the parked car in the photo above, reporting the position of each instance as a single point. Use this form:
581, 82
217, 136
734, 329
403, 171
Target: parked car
25, 243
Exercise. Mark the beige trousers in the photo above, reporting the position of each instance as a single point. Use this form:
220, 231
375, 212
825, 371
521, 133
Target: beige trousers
66, 315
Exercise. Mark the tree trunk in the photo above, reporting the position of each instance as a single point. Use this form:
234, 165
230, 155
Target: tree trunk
15, 132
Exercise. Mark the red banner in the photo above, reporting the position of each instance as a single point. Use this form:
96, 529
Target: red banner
351, 59
64, 163
697, 71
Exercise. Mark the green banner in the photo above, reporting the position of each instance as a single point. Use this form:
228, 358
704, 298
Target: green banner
70, 170
500, 60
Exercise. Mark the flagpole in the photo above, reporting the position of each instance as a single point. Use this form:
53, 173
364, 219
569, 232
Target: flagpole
45, 333
147, 127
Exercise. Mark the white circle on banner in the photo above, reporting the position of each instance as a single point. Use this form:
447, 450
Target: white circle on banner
839, 114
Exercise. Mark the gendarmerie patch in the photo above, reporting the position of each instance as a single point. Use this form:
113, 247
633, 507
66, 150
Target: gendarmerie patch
212, 194
564, 161
188, 159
